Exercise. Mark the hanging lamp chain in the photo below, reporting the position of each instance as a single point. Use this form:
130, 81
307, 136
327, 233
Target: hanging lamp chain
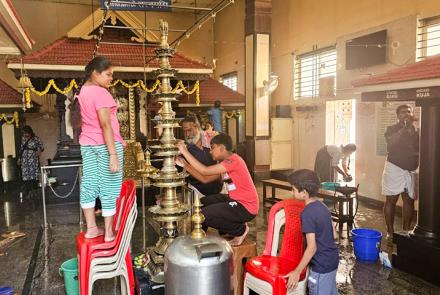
101, 27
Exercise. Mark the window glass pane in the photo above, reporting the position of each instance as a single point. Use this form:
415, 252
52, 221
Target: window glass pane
433, 40
428, 37
230, 80
308, 71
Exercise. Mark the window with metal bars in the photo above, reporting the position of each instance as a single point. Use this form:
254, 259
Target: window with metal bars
315, 74
230, 80
428, 37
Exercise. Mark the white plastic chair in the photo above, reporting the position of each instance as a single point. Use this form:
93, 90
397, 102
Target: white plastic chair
262, 287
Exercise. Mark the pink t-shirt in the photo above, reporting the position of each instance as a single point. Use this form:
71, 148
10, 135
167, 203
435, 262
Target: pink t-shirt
242, 188
91, 99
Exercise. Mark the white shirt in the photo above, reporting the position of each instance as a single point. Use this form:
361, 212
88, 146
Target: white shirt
336, 154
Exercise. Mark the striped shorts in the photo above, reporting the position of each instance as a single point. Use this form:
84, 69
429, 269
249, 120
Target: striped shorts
97, 180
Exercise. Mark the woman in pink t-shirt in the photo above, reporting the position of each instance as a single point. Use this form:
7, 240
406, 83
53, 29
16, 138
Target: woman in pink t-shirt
94, 111
228, 213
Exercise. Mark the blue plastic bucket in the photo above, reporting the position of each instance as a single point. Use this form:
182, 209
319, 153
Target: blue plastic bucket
6, 290
366, 243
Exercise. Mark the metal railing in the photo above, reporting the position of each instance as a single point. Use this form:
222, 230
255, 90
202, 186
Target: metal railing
45, 182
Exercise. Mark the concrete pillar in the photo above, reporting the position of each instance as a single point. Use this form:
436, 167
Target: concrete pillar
257, 50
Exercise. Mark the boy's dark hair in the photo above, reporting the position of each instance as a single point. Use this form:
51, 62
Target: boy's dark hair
350, 147
223, 139
98, 64
217, 103
403, 106
305, 179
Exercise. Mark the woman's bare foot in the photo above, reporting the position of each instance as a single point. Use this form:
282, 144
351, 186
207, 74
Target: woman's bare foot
93, 232
238, 240
109, 239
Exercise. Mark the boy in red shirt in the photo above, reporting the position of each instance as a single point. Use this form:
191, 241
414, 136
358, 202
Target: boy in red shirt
228, 213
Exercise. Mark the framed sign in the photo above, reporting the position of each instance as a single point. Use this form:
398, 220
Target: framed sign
411, 94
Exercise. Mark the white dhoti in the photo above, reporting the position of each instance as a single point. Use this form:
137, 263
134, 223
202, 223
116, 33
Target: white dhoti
396, 180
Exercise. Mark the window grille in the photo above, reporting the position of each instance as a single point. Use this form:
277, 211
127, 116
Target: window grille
230, 80
309, 71
428, 37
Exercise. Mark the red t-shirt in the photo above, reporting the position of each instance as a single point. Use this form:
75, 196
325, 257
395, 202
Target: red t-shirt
240, 187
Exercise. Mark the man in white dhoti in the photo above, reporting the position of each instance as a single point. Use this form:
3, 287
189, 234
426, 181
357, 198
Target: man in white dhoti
398, 176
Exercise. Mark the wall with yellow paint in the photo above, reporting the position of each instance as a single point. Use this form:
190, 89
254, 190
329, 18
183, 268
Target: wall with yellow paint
229, 48
47, 21
297, 26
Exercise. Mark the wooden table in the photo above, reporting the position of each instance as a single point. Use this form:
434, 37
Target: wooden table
274, 184
339, 199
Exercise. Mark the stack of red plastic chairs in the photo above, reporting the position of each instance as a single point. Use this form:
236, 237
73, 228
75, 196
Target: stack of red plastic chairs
266, 273
89, 249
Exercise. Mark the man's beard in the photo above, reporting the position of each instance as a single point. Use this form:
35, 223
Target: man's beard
193, 139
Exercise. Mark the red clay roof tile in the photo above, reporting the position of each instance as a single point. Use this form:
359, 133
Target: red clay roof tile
212, 90
428, 68
75, 51
8, 95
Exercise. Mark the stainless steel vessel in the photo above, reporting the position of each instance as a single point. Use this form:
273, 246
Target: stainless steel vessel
198, 266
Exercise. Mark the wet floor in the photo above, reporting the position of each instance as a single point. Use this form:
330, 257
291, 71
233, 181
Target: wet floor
31, 264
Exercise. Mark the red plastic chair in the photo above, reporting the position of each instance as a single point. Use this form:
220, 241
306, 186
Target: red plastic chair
265, 273
89, 249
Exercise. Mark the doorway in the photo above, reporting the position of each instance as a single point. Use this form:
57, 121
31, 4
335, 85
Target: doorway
340, 127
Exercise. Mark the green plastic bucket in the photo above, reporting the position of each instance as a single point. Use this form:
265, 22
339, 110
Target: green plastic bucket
69, 270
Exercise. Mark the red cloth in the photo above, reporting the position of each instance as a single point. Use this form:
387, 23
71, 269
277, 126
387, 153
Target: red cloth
91, 99
242, 188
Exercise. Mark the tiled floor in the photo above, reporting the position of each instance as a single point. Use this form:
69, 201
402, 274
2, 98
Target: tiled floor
31, 264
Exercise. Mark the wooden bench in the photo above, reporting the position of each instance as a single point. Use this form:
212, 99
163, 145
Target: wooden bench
338, 198
274, 184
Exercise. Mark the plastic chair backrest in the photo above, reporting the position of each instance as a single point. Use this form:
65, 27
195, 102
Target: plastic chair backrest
126, 237
126, 202
127, 189
288, 213
125, 231
124, 243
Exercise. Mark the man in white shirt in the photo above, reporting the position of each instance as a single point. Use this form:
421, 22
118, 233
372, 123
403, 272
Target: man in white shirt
327, 162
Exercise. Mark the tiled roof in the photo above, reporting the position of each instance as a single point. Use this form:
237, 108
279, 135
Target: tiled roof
428, 68
13, 26
20, 22
212, 90
75, 51
8, 95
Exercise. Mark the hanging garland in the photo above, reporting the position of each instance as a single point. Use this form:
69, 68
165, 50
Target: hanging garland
139, 83
15, 119
195, 89
232, 114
